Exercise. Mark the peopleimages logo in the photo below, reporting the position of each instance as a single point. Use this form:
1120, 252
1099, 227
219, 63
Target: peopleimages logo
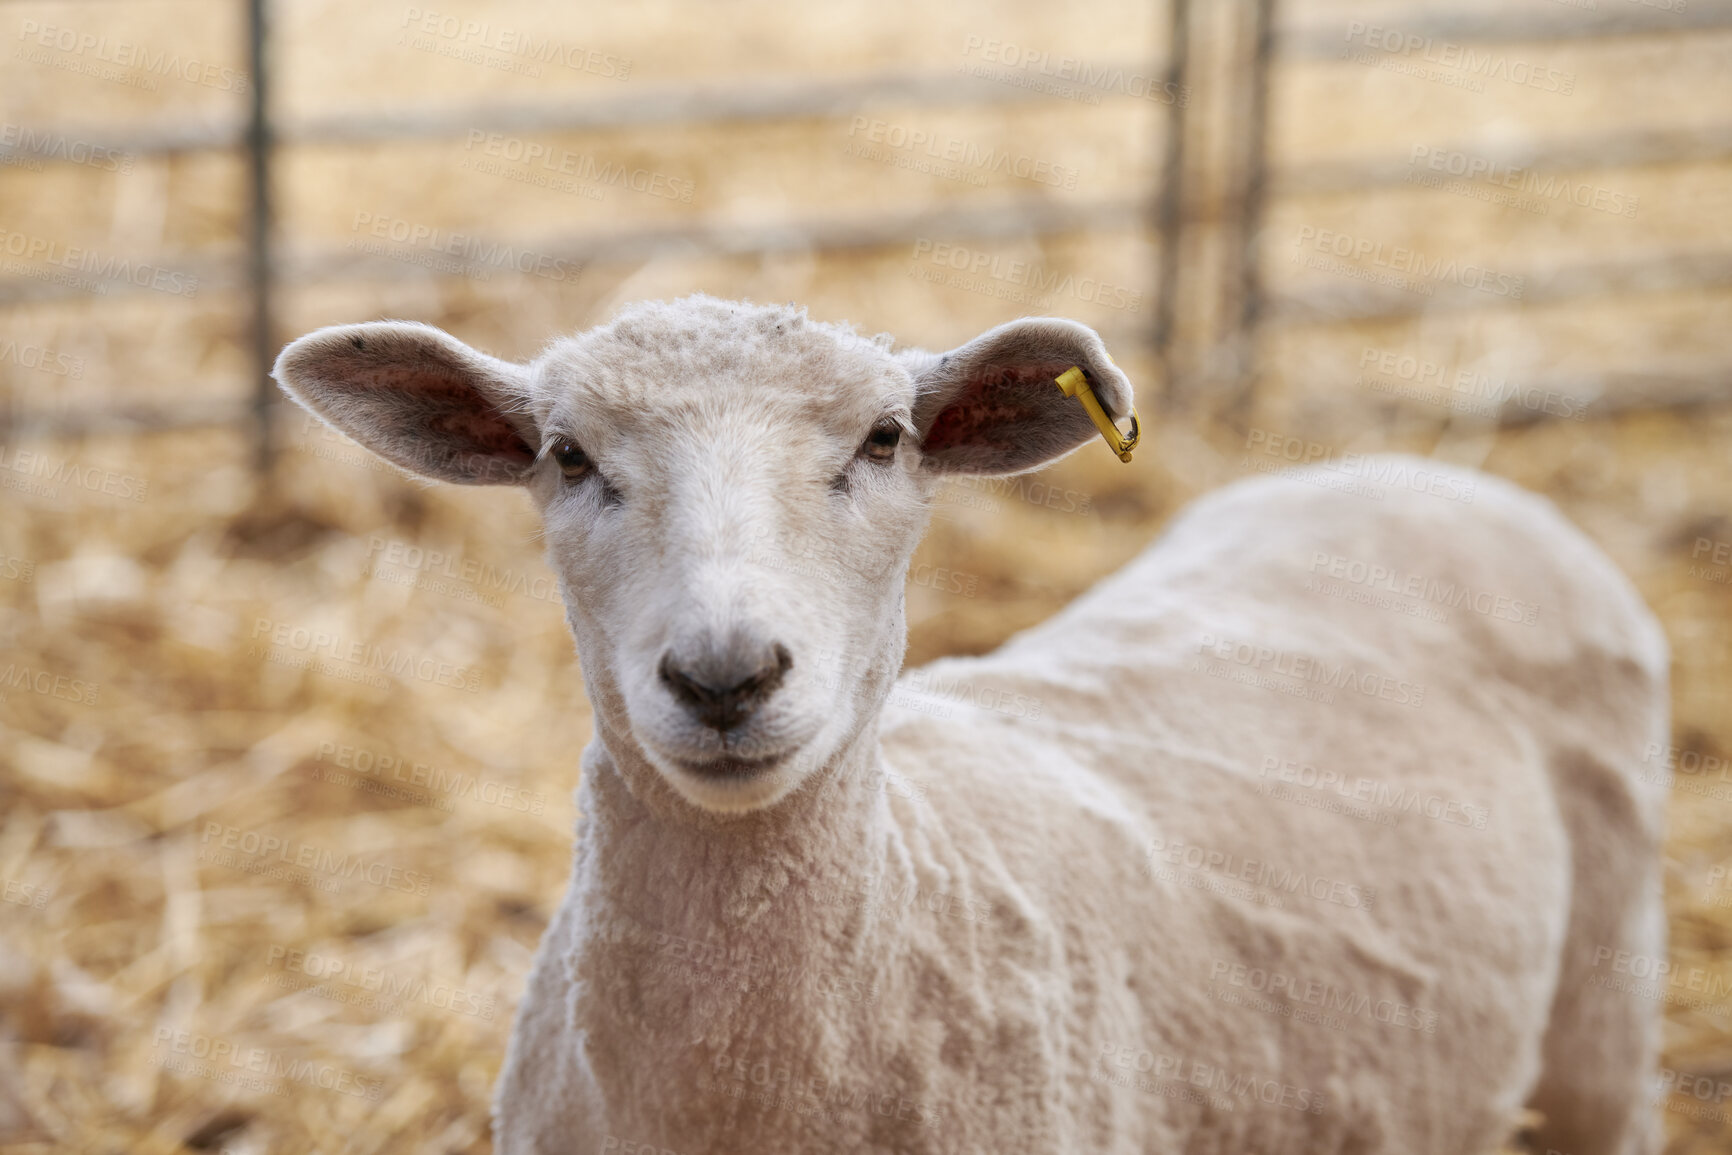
1676, 759
582, 167
616, 1146
1306, 668
1719, 555
451, 785
1388, 579
1399, 259
470, 40
191, 1053
1024, 282
884, 898
1166, 857
305, 648
1461, 390
105, 267
231, 845
48, 684
1523, 181
1703, 1088
1208, 1077
41, 358
1659, 979
1042, 64
982, 697
332, 974
1029, 488
467, 249
1716, 881
1320, 993
1359, 473
1383, 795
34, 146
1463, 59
765, 976
962, 152
810, 1094
91, 50
42, 476
405, 563
24, 894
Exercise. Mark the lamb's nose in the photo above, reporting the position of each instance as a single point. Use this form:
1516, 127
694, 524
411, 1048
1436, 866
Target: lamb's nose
722, 690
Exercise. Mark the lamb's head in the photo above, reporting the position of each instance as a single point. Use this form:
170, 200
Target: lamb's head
730, 494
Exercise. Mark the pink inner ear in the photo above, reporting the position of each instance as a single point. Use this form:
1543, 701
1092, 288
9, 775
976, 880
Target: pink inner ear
993, 404
450, 407
486, 432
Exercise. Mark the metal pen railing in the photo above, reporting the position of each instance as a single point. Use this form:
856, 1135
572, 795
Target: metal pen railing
1170, 211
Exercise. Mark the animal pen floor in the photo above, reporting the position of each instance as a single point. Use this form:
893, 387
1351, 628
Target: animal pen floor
179, 773
117, 810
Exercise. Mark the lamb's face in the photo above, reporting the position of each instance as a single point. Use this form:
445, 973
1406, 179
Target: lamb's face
730, 500
730, 493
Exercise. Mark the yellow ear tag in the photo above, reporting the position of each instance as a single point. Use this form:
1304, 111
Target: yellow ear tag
1075, 383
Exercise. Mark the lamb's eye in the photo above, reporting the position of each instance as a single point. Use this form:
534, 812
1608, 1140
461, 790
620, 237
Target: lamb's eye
882, 442
572, 460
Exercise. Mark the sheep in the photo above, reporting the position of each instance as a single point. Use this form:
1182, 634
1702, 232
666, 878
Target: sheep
1317, 827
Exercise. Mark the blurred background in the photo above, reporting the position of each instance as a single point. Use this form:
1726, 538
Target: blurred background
288, 739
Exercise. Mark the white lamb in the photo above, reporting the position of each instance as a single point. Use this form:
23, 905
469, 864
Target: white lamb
1236, 854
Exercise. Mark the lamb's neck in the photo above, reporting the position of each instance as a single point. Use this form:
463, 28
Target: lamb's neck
688, 933
775, 879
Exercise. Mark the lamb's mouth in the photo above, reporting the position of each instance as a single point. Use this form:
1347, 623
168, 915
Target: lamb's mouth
722, 769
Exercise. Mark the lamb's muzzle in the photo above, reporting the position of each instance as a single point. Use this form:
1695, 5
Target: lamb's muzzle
723, 685
1083, 894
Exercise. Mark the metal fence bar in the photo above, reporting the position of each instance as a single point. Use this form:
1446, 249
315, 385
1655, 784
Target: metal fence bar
186, 415
1024, 217
1614, 149
697, 104
1662, 273
1655, 272
1250, 274
1171, 204
1029, 216
1609, 393
722, 103
673, 104
1599, 394
1317, 39
1617, 149
1561, 397
260, 225
264, 268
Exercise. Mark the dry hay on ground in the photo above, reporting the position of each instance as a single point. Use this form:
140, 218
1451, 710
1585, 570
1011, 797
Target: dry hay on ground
350, 990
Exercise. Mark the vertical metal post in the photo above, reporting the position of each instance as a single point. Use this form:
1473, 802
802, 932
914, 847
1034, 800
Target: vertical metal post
1171, 196
259, 145
1251, 206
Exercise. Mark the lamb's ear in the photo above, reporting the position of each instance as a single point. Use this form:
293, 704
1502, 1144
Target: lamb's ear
991, 406
418, 397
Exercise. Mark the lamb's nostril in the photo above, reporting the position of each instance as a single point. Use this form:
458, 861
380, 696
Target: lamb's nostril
723, 690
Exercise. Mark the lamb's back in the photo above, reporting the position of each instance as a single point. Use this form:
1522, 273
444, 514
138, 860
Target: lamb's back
1318, 601
1245, 750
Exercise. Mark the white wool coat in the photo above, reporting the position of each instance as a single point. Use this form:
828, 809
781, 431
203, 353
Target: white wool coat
1307, 831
